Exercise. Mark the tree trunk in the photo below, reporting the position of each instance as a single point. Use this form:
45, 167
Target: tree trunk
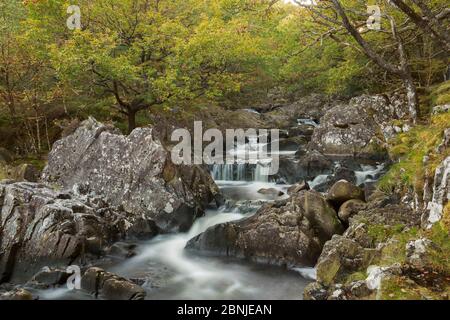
413, 98
131, 120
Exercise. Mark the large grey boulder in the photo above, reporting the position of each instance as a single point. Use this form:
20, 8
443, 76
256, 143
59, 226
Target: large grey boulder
356, 128
290, 232
42, 227
133, 171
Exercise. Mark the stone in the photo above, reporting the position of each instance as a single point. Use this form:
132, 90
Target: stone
353, 129
289, 232
38, 229
107, 285
315, 291
6, 156
307, 167
133, 171
441, 108
296, 188
350, 208
341, 256
441, 194
271, 192
16, 294
343, 191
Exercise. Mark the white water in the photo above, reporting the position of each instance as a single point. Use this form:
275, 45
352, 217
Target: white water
368, 173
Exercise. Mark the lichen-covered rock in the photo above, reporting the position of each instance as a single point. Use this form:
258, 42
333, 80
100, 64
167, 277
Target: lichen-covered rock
342, 256
343, 191
42, 227
441, 194
290, 232
107, 285
22, 172
133, 171
356, 128
307, 167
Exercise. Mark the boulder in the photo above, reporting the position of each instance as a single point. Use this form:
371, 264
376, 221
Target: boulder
356, 129
16, 294
296, 188
307, 167
42, 227
343, 191
341, 256
133, 171
271, 192
107, 285
350, 208
290, 232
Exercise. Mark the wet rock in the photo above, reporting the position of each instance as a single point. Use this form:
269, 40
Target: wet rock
122, 250
296, 188
38, 229
50, 277
350, 208
271, 192
307, 167
289, 232
343, 191
16, 294
110, 286
133, 171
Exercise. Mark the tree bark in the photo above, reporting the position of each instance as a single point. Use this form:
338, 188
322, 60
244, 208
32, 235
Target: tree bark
424, 24
131, 114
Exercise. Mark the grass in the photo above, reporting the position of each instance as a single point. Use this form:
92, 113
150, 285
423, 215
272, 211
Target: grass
440, 94
409, 149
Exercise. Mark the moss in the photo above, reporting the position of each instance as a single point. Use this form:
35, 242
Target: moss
440, 94
381, 233
440, 259
356, 276
402, 288
409, 149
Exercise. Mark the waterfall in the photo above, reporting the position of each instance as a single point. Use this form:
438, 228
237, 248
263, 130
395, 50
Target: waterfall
240, 172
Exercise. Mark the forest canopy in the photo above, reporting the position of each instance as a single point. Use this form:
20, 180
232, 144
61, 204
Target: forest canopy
132, 58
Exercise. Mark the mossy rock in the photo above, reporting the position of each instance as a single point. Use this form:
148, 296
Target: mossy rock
403, 288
